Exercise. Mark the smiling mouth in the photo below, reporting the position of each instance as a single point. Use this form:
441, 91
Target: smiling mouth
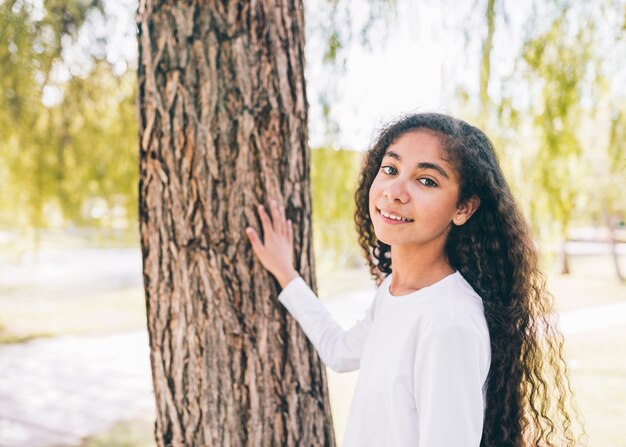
393, 219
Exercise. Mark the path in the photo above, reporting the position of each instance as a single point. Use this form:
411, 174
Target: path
59, 390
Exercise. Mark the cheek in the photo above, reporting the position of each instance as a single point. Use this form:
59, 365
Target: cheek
440, 209
372, 203
375, 188
373, 196
372, 192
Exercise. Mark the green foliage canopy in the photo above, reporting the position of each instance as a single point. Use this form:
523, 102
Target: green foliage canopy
63, 142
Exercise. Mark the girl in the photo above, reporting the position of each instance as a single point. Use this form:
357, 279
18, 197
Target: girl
457, 348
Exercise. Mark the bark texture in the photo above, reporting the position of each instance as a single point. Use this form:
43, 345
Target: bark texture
223, 126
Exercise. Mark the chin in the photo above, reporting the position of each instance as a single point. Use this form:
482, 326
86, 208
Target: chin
384, 238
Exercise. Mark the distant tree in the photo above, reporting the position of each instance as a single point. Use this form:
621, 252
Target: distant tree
612, 198
63, 141
558, 60
30, 44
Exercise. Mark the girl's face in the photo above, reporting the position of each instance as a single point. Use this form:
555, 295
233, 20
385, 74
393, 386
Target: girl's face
416, 183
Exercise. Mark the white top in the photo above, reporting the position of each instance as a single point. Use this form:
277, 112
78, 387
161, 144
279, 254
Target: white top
423, 359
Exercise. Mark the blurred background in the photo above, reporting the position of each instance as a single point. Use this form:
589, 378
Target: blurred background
544, 78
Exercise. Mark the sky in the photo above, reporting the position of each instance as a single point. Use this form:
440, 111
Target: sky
417, 68
403, 72
400, 74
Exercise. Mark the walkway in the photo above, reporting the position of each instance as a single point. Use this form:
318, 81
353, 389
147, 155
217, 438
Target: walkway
54, 392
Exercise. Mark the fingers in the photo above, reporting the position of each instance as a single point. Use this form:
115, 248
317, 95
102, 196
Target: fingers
290, 232
265, 220
255, 240
277, 223
278, 218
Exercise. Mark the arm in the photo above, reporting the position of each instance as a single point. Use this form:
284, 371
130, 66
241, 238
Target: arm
339, 349
449, 374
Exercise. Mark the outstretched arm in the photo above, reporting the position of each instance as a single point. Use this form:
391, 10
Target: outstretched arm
339, 349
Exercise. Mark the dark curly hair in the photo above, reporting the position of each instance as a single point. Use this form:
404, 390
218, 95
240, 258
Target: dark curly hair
529, 396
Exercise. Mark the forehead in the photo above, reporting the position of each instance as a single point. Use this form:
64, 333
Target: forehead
418, 145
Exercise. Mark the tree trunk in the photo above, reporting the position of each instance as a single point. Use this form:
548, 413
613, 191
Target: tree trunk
565, 270
613, 241
223, 126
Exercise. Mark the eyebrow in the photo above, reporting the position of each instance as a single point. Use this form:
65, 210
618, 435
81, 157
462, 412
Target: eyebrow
422, 165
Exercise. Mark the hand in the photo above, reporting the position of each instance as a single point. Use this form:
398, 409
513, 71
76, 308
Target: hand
276, 253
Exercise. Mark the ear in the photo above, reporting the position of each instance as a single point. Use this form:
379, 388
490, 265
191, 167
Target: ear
465, 210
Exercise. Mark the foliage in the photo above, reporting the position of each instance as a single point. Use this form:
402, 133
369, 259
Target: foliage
558, 61
66, 139
554, 114
334, 177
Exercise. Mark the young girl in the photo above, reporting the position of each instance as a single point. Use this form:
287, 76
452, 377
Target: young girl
457, 348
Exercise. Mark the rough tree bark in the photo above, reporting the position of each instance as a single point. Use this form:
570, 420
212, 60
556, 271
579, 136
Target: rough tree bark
223, 126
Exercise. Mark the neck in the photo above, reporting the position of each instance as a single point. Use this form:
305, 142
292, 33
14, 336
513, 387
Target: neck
415, 268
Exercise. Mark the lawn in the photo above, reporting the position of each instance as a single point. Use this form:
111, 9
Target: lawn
25, 316
134, 433
598, 363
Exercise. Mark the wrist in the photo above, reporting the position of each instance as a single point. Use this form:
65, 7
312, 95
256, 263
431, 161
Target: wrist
285, 278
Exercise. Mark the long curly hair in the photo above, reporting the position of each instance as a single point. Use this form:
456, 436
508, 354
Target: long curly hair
529, 396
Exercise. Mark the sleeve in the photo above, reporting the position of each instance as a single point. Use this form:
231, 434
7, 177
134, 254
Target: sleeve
451, 366
339, 349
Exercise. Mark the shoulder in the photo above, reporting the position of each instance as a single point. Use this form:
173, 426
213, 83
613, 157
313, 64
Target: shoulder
457, 307
455, 327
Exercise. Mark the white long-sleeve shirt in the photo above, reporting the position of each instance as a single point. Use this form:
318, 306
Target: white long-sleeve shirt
423, 359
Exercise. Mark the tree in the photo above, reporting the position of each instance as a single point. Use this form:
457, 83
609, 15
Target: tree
559, 60
334, 175
222, 127
31, 44
67, 127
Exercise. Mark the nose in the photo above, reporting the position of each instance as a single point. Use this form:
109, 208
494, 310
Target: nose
396, 191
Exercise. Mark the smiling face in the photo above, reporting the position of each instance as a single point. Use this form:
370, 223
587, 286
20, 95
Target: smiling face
416, 183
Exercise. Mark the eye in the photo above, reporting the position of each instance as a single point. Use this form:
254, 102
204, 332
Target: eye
427, 182
388, 167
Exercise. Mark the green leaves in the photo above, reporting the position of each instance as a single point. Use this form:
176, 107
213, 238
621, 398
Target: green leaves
63, 142
334, 177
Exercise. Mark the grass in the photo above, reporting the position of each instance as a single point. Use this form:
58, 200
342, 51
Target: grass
132, 433
29, 240
27, 317
592, 282
598, 363
30, 313
332, 283
33, 312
